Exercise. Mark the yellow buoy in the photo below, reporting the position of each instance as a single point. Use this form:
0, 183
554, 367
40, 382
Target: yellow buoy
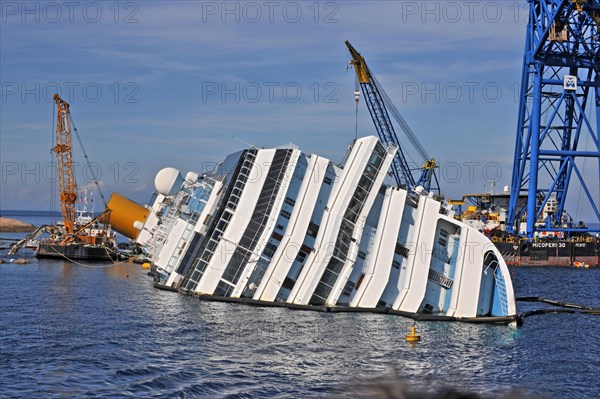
413, 336
145, 265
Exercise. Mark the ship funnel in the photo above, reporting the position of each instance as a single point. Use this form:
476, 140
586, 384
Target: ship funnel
125, 216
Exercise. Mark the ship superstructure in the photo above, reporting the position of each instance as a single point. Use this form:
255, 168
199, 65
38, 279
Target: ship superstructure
280, 226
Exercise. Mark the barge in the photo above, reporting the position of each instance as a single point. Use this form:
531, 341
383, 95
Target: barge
488, 212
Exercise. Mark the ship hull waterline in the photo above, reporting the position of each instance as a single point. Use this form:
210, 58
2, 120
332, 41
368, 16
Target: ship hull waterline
75, 252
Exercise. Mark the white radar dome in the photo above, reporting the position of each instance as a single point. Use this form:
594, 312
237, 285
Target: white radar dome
168, 181
192, 177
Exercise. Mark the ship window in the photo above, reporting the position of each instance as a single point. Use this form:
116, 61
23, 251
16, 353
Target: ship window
327, 180
280, 227
396, 264
370, 171
290, 201
226, 216
348, 288
401, 250
195, 216
301, 257
211, 245
376, 160
270, 250
285, 214
222, 225
313, 229
361, 255
288, 283
206, 220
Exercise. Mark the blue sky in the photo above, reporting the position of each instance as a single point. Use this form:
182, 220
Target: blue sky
157, 83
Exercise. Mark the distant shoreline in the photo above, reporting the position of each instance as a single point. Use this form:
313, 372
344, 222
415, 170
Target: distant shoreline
8, 225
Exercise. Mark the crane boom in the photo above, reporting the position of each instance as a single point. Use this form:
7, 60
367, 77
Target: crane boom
381, 118
380, 107
64, 161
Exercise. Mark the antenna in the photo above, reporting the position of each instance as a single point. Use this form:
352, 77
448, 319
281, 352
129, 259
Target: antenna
223, 132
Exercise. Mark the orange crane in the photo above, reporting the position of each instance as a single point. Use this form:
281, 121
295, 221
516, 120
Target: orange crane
64, 161
65, 240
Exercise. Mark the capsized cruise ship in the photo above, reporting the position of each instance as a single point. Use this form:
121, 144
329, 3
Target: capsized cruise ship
278, 227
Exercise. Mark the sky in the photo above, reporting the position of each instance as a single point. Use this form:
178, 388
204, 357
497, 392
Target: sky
184, 83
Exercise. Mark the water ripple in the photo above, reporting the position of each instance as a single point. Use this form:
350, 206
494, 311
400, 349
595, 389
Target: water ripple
67, 331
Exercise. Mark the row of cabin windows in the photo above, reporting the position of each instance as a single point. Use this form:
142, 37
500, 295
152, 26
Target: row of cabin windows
443, 240
288, 283
362, 190
328, 279
201, 263
204, 259
356, 204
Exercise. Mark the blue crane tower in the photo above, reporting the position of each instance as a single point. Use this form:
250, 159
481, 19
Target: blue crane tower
380, 107
559, 98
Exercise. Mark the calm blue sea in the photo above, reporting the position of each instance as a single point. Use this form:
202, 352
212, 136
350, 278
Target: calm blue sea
80, 331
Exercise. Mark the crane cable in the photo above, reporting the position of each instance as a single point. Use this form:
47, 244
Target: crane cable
405, 127
52, 185
87, 160
584, 170
356, 98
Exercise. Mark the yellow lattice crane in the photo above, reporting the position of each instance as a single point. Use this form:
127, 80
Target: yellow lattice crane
64, 162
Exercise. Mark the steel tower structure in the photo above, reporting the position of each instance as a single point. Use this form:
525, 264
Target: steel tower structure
560, 92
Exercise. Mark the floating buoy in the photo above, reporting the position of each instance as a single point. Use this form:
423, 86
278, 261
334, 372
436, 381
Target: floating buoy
413, 336
145, 265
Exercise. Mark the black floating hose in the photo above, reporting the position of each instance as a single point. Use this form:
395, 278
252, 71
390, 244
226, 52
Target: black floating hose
571, 307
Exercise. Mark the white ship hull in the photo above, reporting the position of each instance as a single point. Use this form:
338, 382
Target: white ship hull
279, 227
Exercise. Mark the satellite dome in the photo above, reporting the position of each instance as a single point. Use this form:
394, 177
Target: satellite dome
168, 181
